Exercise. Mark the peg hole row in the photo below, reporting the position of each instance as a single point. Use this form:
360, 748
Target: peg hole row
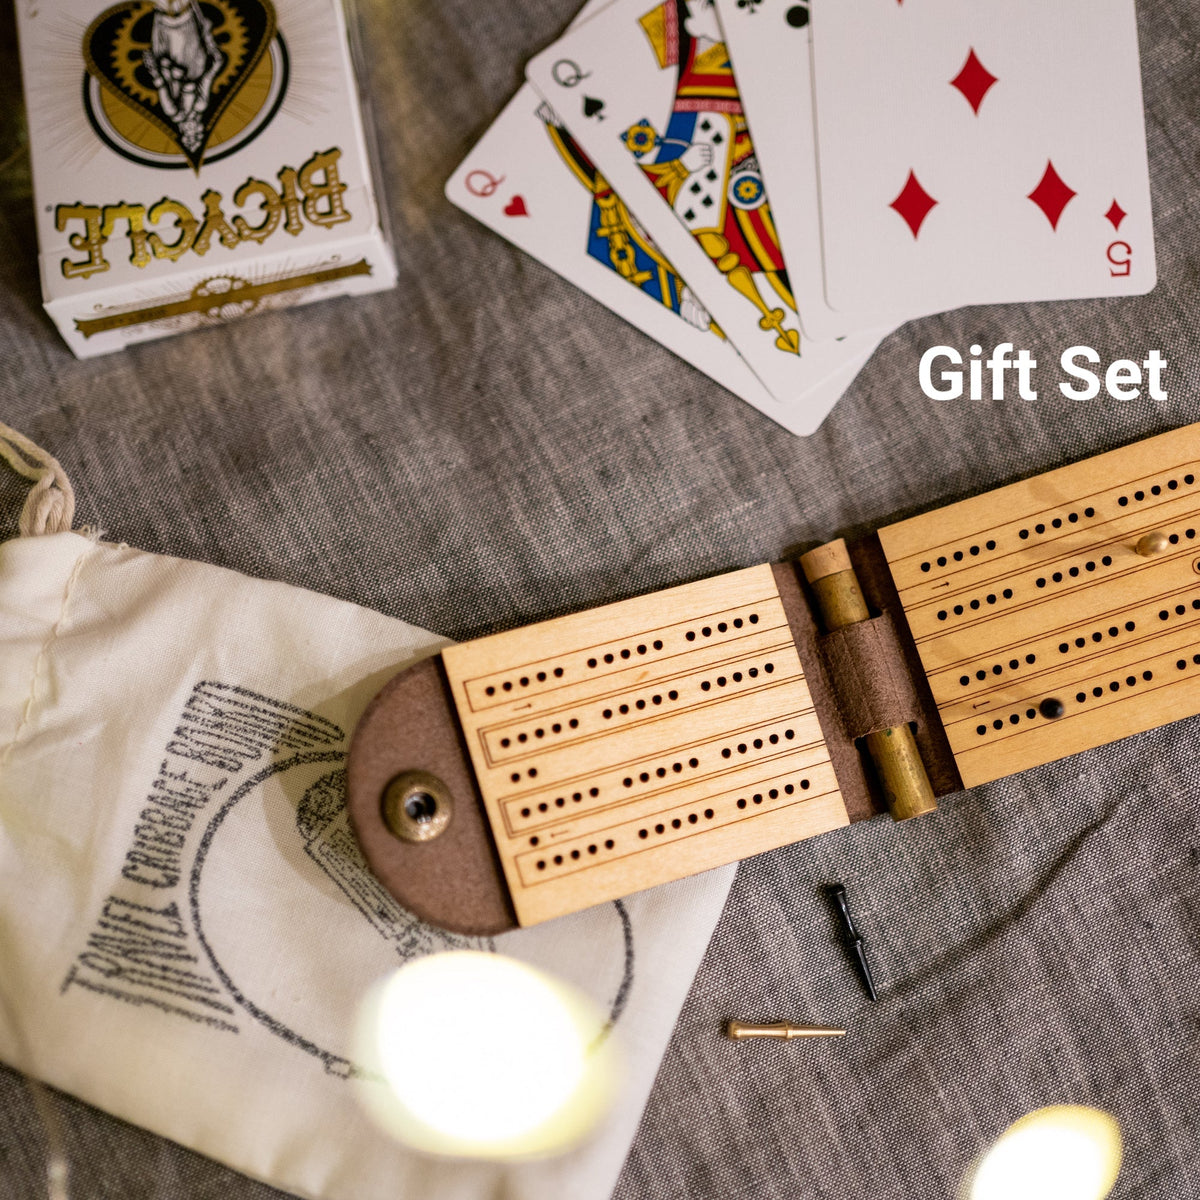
757, 743
559, 802
625, 653
1056, 523
574, 855
773, 793
1073, 572
721, 680
998, 668
1165, 614
959, 609
540, 732
524, 681
958, 556
1097, 635
676, 823
660, 772
721, 627
1156, 490
1115, 685
638, 705
1030, 714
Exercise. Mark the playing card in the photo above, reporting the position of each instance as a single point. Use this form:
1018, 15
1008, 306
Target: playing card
982, 152
528, 180
648, 94
769, 42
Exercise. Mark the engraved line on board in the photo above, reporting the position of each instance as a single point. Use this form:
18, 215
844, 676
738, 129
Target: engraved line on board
532, 798
806, 710
471, 684
1028, 518
552, 840
601, 613
1031, 517
537, 689
702, 791
642, 681
1118, 672
1044, 643
655, 716
637, 848
1116, 572
922, 595
520, 827
1106, 699
1119, 531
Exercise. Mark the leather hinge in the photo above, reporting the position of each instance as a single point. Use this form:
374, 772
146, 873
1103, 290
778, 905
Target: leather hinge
869, 676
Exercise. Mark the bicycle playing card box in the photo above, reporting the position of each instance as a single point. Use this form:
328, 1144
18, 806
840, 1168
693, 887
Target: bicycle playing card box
195, 161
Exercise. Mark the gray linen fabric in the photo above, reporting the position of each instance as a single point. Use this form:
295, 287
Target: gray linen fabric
486, 447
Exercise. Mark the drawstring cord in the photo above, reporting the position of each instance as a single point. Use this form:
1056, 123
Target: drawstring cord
50, 505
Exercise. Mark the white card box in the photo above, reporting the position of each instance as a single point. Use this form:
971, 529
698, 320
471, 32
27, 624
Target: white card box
195, 161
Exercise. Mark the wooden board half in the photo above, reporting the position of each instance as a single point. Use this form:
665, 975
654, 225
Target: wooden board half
644, 741
1036, 592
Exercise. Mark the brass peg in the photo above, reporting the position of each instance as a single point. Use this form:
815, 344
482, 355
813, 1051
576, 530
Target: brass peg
739, 1031
894, 752
1150, 544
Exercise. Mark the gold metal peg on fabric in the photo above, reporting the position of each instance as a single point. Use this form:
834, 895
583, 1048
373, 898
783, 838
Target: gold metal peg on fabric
1150, 544
740, 1031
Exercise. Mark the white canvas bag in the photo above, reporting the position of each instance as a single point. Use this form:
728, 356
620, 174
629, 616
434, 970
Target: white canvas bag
186, 926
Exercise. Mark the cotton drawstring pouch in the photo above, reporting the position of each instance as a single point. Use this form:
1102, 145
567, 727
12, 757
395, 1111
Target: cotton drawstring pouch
187, 928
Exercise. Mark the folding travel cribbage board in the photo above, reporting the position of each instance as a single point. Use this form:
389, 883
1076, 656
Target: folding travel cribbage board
536, 772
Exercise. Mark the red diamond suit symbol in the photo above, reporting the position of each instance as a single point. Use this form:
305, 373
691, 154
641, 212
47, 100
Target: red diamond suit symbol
1052, 195
974, 81
913, 203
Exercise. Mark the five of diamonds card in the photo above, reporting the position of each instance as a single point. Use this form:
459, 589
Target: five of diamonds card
768, 187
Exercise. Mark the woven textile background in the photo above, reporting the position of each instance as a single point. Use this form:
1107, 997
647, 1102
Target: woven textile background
486, 446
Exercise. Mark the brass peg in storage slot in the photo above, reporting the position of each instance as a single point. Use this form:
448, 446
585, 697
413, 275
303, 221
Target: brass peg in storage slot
894, 752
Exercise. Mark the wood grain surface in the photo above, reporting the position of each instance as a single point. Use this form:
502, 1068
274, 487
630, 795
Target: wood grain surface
643, 741
1051, 597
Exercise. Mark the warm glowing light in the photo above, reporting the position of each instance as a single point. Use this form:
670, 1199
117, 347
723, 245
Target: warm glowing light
483, 1056
1060, 1153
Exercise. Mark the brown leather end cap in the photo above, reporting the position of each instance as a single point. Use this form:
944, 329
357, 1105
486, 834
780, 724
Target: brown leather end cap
452, 880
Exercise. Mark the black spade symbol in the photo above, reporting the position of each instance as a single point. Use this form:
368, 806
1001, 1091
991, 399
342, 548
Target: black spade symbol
180, 71
592, 107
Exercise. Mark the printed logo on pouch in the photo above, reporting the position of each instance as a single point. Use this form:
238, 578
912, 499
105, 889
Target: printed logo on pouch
154, 943
177, 83
241, 871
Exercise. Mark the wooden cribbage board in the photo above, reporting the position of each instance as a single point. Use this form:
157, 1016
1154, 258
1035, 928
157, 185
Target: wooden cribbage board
1036, 592
646, 740
594, 755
